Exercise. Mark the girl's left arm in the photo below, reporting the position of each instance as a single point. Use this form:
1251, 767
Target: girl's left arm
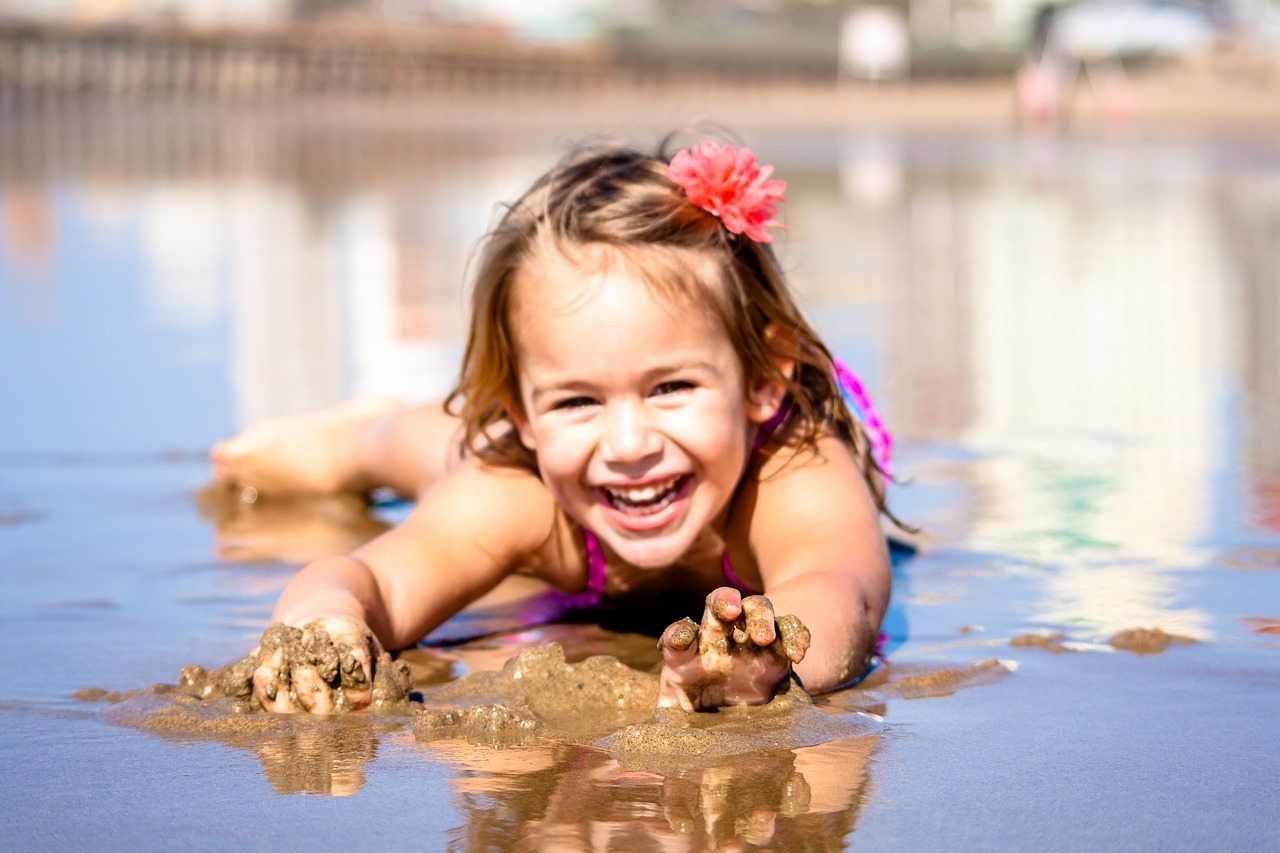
815, 532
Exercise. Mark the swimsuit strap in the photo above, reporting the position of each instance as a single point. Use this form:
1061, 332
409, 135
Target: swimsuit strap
855, 393
596, 570
732, 577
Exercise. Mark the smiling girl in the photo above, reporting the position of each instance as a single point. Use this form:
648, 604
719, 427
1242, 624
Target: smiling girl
643, 416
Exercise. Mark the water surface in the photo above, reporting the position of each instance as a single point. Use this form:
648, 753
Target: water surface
1074, 341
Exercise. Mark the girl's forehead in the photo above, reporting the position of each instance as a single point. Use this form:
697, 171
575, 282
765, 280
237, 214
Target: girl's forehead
565, 279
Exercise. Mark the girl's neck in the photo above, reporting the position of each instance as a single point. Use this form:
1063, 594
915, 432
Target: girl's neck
705, 553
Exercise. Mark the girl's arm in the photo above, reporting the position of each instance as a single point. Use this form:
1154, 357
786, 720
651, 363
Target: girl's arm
823, 557
464, 536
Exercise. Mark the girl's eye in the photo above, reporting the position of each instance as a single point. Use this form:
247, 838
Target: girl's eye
574, 403
673, 387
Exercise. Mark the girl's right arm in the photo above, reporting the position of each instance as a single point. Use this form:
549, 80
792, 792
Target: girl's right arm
464, 536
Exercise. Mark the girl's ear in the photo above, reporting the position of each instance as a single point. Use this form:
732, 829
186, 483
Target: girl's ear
766, 394
521, 423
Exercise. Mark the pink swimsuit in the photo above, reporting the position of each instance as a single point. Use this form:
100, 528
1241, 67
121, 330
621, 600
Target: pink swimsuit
881, 442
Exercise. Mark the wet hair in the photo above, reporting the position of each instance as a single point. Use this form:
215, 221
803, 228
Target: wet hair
612, 197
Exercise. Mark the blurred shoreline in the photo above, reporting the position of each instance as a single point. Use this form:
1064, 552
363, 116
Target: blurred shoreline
472, 81
1164, 103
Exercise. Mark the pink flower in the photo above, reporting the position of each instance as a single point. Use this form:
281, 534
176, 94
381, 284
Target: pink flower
729, 183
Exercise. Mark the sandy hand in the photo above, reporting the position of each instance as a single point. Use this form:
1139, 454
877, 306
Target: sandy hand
738, 656
325, 667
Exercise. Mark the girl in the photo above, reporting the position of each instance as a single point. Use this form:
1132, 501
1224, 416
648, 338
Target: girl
643, 416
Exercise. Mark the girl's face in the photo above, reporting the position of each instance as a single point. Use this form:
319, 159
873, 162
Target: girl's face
636, 408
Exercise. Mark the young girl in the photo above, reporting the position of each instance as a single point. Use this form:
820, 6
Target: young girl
643, 416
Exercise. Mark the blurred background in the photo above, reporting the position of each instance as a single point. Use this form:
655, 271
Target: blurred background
1047, 226
299, 45
1053, 225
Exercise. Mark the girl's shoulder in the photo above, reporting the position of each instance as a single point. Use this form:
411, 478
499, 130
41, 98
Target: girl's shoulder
822, 478
793, 449
508, 511
811, 503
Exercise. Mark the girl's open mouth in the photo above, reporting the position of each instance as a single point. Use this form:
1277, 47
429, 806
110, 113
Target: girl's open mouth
648, 499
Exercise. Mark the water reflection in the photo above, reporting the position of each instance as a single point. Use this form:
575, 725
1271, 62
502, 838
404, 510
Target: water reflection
299, 755
330, 762
1088, 328
579, 798
293, 530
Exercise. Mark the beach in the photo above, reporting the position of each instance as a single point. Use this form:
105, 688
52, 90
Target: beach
1071, 332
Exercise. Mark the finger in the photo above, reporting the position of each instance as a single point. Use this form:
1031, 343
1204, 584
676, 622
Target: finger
724, 606
679, 643
237, 679
757, 611
349, 671
354, 670
674, 695
313, 693
793, 637
319, 651
271, 683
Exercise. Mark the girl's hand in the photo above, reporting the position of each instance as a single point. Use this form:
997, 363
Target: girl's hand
324, 667
739, 656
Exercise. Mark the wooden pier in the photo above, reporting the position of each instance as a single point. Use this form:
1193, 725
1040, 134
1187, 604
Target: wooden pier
301, 60
281, 62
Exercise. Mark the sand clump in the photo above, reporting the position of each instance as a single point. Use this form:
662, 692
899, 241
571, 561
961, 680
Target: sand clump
1052, 641
483, 725
1147, 641
602, 702
1140, 641
536, 697
539, 691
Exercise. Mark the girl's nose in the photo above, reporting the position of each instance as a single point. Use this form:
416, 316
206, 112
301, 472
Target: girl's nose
629, 436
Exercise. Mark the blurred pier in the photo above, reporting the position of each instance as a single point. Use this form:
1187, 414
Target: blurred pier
136, 61
151, 92
300, 59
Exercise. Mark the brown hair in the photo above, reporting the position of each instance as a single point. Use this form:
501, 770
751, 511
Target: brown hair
616, 197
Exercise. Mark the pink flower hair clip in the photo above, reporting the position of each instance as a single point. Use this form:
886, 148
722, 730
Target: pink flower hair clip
730, 184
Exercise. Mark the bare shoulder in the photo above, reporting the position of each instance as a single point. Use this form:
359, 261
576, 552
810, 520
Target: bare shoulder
813, 508
479, 512
470, 530
828, 465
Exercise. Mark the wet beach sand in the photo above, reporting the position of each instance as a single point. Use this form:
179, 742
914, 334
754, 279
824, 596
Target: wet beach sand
1072, 334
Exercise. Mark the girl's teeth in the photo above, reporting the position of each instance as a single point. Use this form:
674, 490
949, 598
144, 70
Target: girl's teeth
650, 498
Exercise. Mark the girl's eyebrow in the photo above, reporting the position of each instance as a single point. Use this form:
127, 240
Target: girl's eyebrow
550, 389
574, 385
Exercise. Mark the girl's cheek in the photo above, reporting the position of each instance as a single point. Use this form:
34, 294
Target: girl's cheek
564, 450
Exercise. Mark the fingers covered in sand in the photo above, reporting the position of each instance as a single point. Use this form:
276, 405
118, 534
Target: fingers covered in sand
325, 667
737, 656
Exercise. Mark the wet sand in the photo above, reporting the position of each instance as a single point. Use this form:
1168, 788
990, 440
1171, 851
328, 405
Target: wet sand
1074, 339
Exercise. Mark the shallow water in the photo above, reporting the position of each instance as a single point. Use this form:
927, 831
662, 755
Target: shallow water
1074, 340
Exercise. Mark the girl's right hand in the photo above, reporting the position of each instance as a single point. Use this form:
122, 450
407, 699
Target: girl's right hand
324, 667
739, 655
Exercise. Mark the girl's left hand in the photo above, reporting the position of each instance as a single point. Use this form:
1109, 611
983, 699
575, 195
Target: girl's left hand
738, 656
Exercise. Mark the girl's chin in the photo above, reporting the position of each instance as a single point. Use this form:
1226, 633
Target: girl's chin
649, 554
